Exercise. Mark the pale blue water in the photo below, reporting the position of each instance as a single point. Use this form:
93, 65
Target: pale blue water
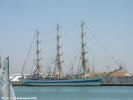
76, 93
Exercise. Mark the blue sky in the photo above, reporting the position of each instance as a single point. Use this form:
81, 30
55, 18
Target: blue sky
110, 20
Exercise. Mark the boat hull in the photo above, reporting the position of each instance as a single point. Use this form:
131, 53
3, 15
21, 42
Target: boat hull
78, 82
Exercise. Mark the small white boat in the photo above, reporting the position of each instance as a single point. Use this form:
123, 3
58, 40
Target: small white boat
6, 89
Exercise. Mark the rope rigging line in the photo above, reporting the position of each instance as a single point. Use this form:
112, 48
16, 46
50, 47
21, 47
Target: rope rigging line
28, 53
101, 44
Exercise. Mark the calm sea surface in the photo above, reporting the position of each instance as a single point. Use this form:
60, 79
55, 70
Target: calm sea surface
75, 93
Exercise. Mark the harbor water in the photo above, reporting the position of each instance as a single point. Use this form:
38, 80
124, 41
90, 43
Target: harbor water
74, 93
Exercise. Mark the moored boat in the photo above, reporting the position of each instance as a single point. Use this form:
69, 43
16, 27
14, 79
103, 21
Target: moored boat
58, 79
69, 82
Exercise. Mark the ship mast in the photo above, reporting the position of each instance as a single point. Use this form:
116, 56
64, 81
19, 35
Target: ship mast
0, 62
93, 66
37, 53
83, 52
58, 53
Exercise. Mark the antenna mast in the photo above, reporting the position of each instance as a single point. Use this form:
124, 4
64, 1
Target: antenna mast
83, 52
58, 53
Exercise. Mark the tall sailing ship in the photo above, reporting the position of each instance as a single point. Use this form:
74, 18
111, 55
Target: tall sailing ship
58, 79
